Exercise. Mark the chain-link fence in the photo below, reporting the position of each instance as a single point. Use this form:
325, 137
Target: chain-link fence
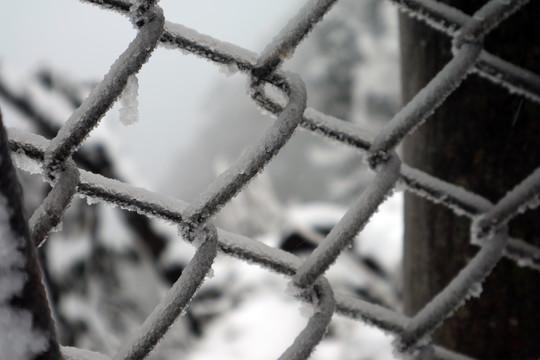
489, 231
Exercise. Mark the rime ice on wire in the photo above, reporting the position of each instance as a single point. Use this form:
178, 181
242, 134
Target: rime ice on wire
129, 112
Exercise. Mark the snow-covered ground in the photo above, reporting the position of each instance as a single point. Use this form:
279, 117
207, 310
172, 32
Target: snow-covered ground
259, 320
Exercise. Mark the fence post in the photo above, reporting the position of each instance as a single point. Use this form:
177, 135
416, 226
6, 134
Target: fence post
483, 139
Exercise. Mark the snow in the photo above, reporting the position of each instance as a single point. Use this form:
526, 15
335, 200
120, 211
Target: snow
475, 290
11, 259
177, 36
19, 340
233, 337
511, 77
244, 331
358, 214
437, 15
262, 320
315, 214
382, 237
64, 253
523, 197
72, 353
112, 231
129, 113
24, 163
228, 69
458, 199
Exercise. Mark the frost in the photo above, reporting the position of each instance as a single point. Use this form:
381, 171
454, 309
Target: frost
458, 199
508, 75
228, 69
72, 353
480, 230
525, 262
25, 163
479, 16
92, 200
129, 113
293, 290
421, 350
196, 235
475, 290
307, 310
112, 231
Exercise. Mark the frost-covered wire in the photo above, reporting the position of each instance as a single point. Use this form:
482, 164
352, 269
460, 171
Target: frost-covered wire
309, 338
87, 116
487, 18
524, 197
151, 204
26, 327
449, 20
49, 214
489, 232
424, 103
348, 227
253, 161
175, 301
467, 284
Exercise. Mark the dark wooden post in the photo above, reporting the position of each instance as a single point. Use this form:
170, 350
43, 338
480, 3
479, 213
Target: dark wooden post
486, 140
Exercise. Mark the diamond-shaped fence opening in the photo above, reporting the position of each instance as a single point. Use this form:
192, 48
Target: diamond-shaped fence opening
19, 266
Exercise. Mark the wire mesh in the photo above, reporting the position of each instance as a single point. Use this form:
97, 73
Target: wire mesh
195, 219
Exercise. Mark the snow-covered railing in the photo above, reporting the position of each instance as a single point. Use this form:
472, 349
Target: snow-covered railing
195, 219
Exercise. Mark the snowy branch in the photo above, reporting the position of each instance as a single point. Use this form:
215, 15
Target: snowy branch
87, 116
26, 327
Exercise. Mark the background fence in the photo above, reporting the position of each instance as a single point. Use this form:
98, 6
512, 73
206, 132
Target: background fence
288, 103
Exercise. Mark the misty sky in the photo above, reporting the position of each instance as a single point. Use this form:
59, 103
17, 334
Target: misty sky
83, 40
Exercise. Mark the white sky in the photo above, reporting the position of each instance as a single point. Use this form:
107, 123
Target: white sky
84, 40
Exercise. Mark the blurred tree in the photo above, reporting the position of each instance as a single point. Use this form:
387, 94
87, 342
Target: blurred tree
349, 64
486, 140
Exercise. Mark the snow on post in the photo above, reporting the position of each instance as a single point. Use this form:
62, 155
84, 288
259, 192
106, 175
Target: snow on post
26, 328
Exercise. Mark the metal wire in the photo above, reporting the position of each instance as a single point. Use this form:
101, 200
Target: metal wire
195, 219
